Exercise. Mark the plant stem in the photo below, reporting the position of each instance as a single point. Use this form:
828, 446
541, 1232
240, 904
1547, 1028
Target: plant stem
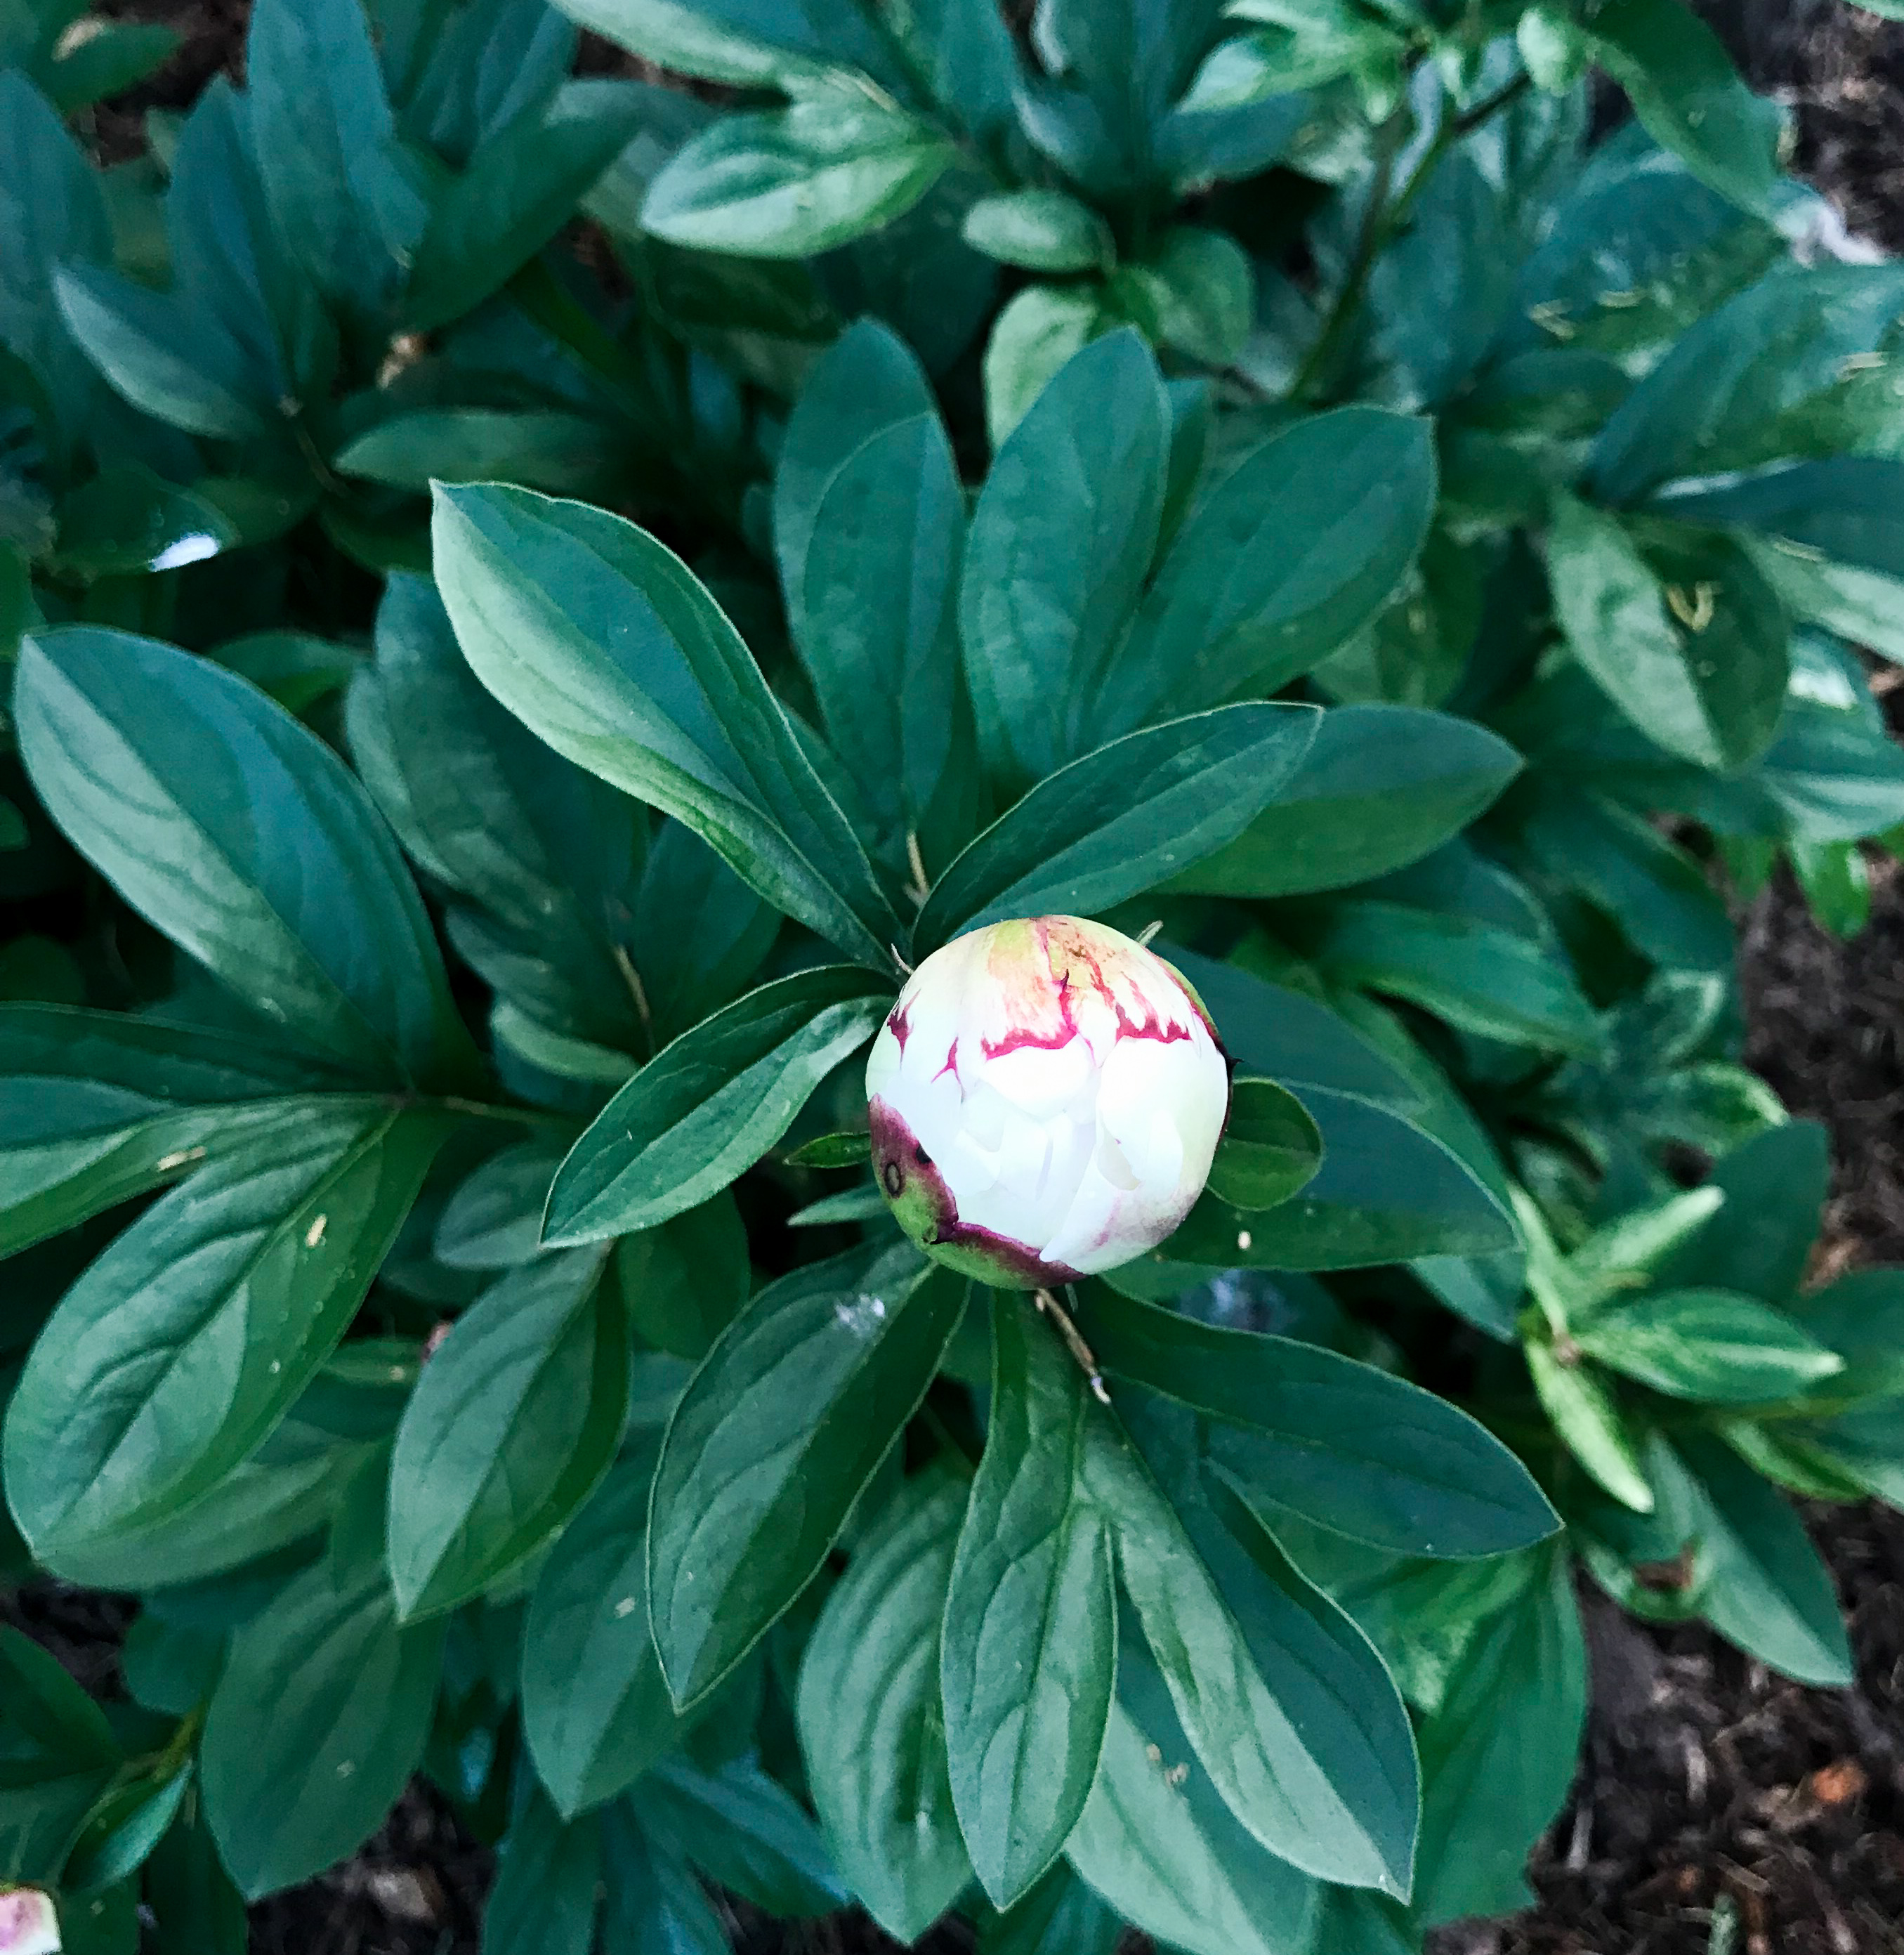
1369, 240
1382, 218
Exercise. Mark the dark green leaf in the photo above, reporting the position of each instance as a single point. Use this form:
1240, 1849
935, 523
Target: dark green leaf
707, 1108
1121, 820
1684, 89
1281, 1696
515, 1419
1771, 1592
871, 1729
797, 1404
1061, 541
252, 848
1287, 557
1716, 704
871, 606
1059, 1916
1028, 1654
652, 1901
1498, 1755
603, 642
1161, 1846
1760, 1241
685, 1281
248, 1275
122, 1830
520, 186
548, 853
1343, 1445
539, 449
548, 1879
595, 1709
197, 1910
100, 1107
115, 55
493, 1221
742, 1830
317, 1723
60, 1755
845, 1150
1381, 787
1271, 1149
1485, 980
1712, 403
338, 189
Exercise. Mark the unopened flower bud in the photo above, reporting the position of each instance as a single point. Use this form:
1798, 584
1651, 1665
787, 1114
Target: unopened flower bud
28, 1925
1045, 1101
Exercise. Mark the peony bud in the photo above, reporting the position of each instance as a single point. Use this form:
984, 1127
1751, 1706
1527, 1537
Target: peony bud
1045, 1100
28, 1925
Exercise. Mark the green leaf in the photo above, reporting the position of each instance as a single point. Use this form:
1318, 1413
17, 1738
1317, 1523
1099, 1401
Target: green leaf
1059, 1916
1715, 401
1271, 1149
871, 1730
851, 1149
520, 186
548, 1879
685, 1281
122, 1830
788, 183
700, 931
1121, 820
1346, 1446
1387, 1192
1484, 979
1041, 230
1499, 1753
1161, 1846
595, 1709
1061, 541
1284, 560
334, 174
1686, 92
1281, 1696
60, 1757
96, 1107
319, 1719
797, 1404
1039, 332
708, 1107
1761, 1239
198, 1911
493, 1220
1201, 288
743, 1831
113, 56
1717, 707
538, 449
1711, 1345
651, 1900
143, 342
870, 602
246, 1277
252, 848
549, 855
1770, 1591
1590, 1425
1380, 787
297, 669
515, 1419
603, 643
1028, 1654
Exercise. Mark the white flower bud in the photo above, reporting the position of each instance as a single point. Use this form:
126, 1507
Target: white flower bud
1045, 1101
28, 1925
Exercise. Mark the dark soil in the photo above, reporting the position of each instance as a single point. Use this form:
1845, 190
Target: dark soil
1719, 1807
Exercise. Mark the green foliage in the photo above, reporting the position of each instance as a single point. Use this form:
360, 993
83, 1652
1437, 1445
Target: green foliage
494, 710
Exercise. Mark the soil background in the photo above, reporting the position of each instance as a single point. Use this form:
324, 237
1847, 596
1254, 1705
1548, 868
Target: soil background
1720, 1810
